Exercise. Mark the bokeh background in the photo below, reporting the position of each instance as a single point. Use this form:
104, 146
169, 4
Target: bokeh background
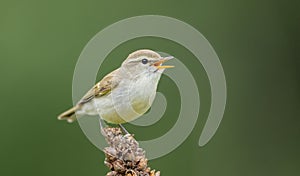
258, 45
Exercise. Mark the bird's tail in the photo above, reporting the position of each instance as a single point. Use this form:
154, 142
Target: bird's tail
69, 115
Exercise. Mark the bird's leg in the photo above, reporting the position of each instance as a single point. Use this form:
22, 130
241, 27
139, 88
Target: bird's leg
123, 129
101, 123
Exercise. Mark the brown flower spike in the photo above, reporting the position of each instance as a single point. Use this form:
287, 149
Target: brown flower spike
124, 157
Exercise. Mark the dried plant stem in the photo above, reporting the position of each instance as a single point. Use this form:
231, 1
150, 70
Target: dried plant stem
124, 157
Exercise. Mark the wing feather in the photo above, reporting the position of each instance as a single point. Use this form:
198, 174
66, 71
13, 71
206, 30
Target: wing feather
103, 87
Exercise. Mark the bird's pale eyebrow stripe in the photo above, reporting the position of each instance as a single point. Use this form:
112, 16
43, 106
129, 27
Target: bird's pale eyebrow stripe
136, 60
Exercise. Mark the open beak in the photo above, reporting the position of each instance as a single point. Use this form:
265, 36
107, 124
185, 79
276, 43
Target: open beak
159, 63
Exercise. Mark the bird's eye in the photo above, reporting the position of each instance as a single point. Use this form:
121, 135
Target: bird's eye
144, 61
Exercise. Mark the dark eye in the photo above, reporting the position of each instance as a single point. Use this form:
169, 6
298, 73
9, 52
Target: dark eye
144, 61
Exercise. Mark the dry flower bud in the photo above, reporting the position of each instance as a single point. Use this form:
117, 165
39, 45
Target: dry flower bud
124, 157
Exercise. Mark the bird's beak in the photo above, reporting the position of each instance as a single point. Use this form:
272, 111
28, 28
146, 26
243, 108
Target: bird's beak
159, 63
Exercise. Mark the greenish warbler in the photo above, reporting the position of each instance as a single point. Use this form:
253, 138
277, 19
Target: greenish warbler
124, 94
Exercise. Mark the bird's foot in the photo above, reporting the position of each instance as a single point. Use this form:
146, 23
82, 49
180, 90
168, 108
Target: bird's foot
123, 129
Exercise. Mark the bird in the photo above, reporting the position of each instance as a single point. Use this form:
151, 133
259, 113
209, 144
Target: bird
124, 94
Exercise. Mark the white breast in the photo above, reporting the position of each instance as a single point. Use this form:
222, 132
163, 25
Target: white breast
128, 101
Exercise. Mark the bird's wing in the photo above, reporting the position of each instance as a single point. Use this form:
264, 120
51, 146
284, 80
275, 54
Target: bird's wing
103, 87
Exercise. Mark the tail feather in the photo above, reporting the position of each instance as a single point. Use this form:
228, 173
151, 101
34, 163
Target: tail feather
69, 115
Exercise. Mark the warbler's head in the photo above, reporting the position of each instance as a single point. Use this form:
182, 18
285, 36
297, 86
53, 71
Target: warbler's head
145, 62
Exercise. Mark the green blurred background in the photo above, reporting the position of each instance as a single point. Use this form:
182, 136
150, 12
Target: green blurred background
258, 45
